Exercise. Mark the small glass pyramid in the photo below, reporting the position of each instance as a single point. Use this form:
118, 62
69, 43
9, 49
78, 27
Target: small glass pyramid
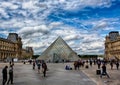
58, 51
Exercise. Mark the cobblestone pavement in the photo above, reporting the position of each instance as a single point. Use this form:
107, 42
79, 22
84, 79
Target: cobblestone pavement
56, 75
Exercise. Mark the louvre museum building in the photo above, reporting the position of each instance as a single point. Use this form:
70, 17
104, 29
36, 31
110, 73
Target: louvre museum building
12, 48
112, 45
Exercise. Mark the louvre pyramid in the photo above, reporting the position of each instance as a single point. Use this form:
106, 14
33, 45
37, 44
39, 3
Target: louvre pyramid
58, 51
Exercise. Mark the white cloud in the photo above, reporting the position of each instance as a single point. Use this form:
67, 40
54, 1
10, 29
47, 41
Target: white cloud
109, 28
61, 1
77, 4
101, 24
28, 5
8, 5
71, 43
71, 37
3, 13
36, 29
55, 24
4, 32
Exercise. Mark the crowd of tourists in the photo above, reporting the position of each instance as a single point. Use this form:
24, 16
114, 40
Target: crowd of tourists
101, 65
41, 66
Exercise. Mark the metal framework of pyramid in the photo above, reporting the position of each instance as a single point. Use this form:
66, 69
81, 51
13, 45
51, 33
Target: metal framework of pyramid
58, 51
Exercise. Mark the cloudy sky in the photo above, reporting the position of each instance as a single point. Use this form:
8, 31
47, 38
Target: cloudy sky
83, 24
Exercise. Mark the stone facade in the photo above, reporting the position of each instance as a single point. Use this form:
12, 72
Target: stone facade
12, 47
27, 53
112, 45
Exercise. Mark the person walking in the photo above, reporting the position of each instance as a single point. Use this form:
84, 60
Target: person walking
117, 65
4, 73
10, 75
90, 61
104, 71
10, 63
33, 65
111, 64
44, 67
39, 64
99, 64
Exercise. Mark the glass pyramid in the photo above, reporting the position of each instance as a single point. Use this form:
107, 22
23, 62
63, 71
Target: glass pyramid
58, 51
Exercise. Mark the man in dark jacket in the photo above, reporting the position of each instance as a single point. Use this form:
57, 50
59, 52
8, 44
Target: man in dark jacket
44, 67
10, 75
4, 73
104, 72
117, 65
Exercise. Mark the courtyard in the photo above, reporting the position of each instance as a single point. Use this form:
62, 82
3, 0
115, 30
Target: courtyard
57, 75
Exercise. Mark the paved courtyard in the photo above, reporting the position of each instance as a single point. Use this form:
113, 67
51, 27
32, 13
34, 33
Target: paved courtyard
56, 75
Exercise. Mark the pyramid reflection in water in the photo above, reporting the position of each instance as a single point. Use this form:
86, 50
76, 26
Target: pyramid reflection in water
58, 51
